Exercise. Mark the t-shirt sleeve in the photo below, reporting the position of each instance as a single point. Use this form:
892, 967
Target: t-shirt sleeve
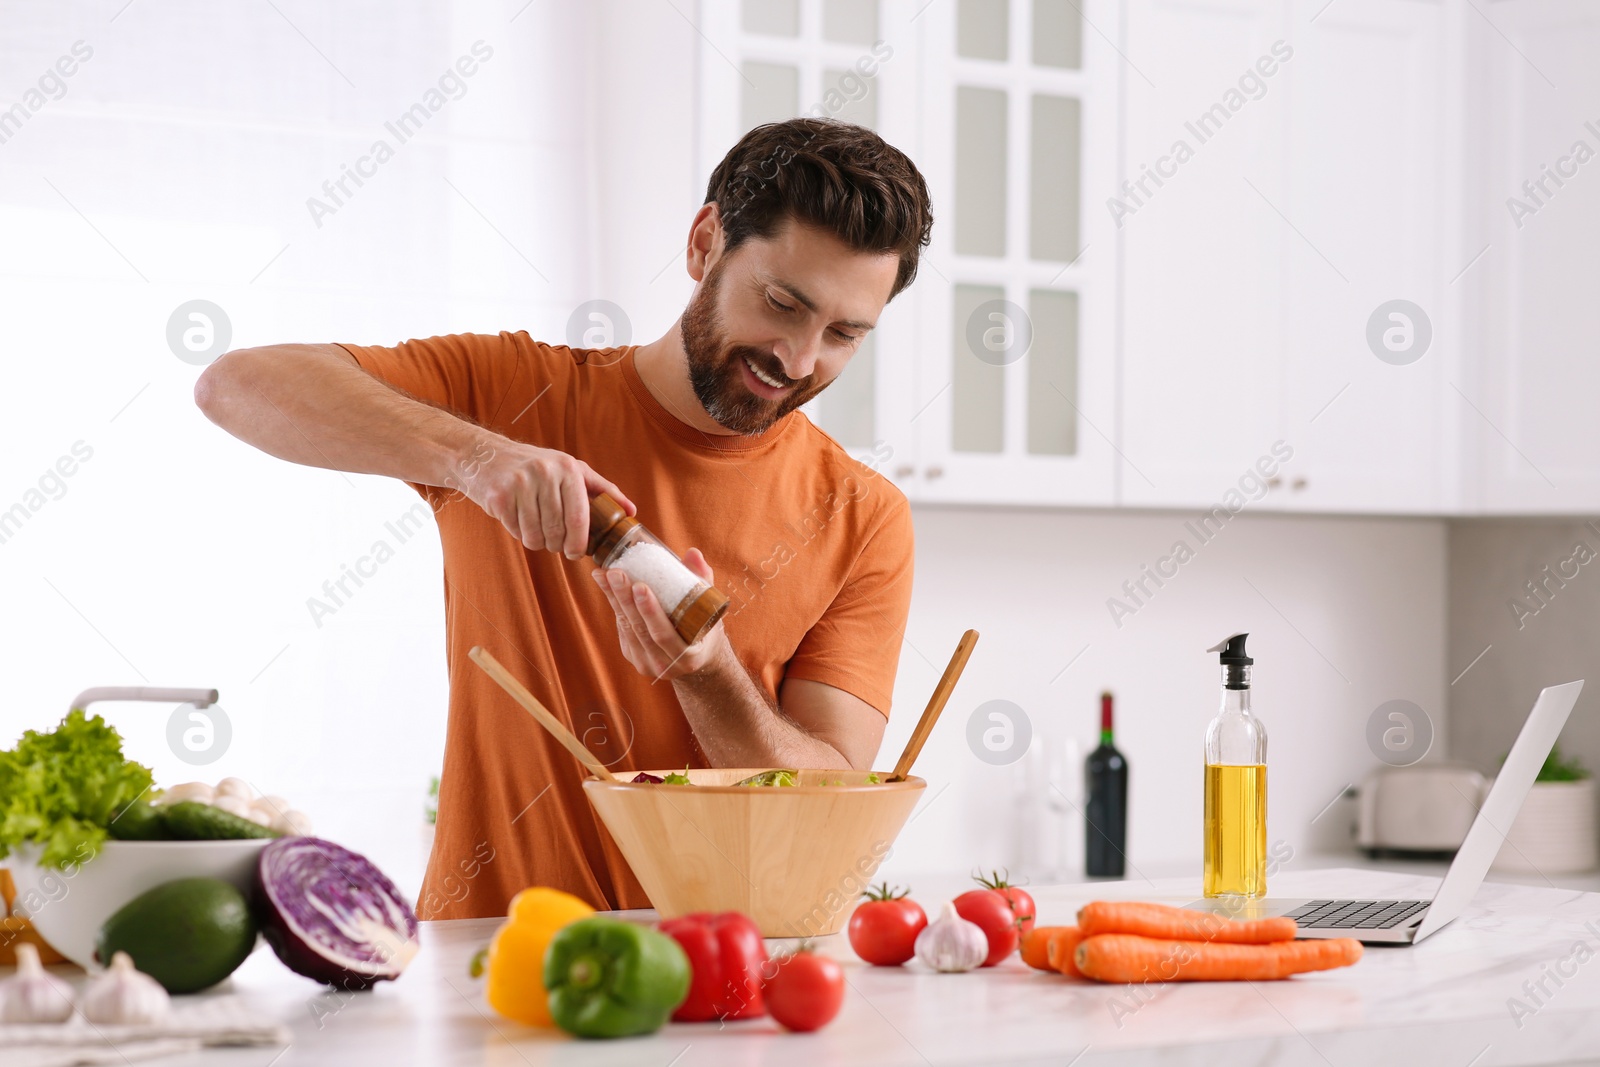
477, 376
855, 646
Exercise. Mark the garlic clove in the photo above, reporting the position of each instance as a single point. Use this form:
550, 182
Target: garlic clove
236, 787
952, 944
124, 996
33, 995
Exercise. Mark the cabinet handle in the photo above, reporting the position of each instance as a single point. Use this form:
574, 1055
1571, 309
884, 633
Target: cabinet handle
905, 470
1298, 484
1274, 483
935, 472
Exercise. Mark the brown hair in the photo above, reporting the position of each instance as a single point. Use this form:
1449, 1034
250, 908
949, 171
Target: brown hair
841, 178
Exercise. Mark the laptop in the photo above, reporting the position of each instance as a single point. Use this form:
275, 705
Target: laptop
1409, 921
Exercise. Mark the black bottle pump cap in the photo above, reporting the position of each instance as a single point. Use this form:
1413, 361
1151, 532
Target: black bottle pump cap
1233, 658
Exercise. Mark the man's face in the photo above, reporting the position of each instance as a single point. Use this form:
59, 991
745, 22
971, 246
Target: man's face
776, 320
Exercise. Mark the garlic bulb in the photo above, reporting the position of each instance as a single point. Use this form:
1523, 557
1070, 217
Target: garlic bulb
32, 995
125, 997
951, 943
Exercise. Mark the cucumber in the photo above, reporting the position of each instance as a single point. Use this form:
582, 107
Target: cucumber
139, 821
190, 820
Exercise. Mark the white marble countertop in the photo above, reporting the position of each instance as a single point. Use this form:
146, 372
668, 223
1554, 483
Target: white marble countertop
1446, 1001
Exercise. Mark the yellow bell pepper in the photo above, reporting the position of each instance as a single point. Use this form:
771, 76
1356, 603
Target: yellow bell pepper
515, 983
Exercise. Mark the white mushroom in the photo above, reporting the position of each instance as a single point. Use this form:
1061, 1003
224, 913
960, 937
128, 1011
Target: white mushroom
293, 823
236, 787
233, 805
199, 791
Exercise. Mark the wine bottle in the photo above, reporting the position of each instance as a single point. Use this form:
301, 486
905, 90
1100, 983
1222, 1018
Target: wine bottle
1106, 832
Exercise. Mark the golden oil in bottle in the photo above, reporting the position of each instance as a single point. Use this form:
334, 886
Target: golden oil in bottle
1236, 785
1236, 830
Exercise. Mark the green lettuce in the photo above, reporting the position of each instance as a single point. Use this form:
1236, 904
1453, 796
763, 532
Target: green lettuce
62, 789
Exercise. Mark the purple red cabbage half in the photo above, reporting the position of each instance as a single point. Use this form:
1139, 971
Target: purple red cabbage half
646, 776
331, 915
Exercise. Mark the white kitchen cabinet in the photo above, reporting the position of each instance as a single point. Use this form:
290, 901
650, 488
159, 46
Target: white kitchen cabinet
1313, 195
1203, 248
1527, 412
1368, 184
1200, 207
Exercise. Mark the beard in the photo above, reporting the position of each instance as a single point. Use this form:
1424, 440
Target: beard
717, 377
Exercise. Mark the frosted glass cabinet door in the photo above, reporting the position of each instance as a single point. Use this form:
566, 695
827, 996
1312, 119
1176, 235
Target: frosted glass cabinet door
980, 203
850, 21
1058, 34
779, 18
978, 377
983, 28
771, 93
1014, 389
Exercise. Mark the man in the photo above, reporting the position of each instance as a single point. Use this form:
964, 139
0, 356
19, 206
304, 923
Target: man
809, 228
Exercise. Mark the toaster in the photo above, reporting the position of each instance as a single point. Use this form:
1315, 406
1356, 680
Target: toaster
1423, 808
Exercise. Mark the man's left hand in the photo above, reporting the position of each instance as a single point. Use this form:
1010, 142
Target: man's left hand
649, 640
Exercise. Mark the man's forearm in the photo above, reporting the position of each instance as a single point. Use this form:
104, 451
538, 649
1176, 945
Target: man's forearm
311, 404
737, 726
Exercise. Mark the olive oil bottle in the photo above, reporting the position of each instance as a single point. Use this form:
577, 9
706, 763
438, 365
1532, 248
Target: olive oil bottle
1236, 785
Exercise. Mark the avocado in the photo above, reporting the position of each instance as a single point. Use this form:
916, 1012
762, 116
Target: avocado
187, 934
190, 820
139, 821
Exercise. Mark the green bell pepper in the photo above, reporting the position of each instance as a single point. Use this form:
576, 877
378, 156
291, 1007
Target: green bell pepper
608, 978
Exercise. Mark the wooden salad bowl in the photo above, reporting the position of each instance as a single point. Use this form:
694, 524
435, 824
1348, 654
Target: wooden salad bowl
793, 858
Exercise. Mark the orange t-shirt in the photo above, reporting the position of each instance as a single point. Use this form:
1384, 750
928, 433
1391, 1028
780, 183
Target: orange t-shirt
812, 547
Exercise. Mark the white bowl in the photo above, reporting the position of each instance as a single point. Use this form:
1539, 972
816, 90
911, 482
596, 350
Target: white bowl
67, 907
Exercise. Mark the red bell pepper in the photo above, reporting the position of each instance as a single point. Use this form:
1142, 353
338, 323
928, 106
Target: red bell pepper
726, 955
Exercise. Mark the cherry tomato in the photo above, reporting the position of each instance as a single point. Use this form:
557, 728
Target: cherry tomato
804, 990
884, 928
1020, 900
994, 917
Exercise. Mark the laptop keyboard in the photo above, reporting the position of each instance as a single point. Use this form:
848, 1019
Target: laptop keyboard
1357, 914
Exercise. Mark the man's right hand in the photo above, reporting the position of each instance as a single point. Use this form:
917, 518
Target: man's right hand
540, 494
313, 404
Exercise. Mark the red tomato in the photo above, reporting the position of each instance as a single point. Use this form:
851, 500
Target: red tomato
804, 991
1020, 900
884, 928
989, 910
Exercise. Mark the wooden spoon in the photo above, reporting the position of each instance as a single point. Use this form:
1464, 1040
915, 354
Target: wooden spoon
507, 681
936, 703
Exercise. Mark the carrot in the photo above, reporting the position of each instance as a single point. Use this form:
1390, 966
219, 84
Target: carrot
1046, 948
1035, 946
1131, 958
1063, 951
1179, 924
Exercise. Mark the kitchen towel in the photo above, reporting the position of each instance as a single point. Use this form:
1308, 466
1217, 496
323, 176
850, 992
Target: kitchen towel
224, 1020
